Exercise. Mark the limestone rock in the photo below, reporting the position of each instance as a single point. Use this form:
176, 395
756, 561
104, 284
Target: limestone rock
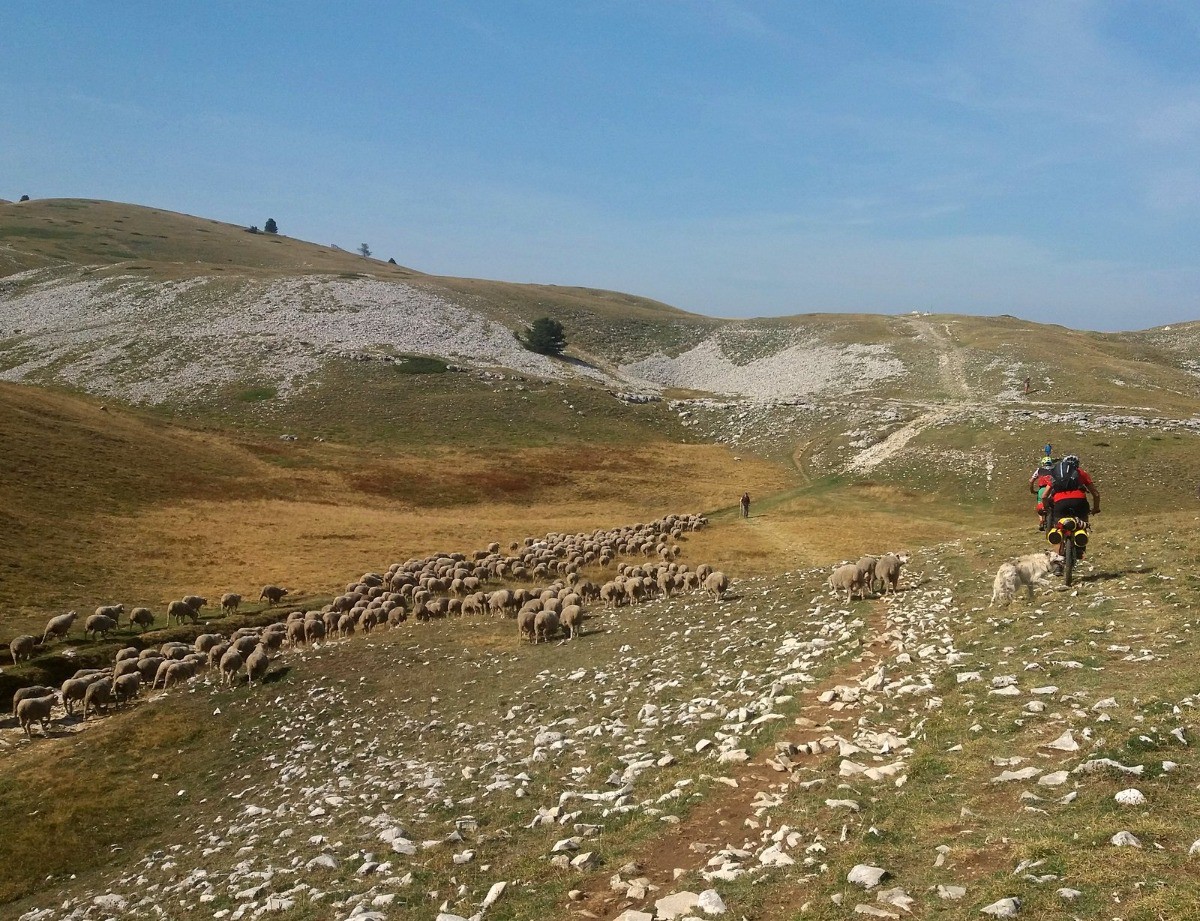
866, 876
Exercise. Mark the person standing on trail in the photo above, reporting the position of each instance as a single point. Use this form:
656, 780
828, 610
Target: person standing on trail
1026, 386
745, 505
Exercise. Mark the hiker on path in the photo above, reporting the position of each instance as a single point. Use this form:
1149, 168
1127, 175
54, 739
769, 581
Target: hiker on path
745, 505
1026, 386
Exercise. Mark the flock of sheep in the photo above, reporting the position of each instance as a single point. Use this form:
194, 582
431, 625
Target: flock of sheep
863, 575
426, 589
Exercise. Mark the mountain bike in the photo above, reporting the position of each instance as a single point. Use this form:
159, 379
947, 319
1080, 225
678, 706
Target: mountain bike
1069, 537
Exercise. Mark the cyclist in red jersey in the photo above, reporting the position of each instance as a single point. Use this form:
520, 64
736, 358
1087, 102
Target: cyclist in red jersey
1068, 491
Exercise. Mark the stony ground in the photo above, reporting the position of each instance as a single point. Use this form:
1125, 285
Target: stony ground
780, 753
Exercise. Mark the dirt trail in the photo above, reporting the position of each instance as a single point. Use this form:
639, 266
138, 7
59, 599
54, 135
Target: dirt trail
951, 359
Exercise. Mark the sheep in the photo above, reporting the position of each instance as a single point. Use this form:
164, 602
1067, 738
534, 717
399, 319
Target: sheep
178, 610
231, 664
21, 647
867, 566
245, 645
273, 594
148, 667
111, 610
295, 632
525, 623
545, 625
214, 654
97, 696
195, 602
178, 672
128, 667
58, 627
206, 641
230, 602
73, 690
848, 577
99, 625
888, 570
129, 652
141, 617
126, 687
34, 690
716, 583
35, 710
314, 631
572, 620
257, 665
273, 639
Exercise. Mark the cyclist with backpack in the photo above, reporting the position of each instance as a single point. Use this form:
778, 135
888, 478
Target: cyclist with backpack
1067, 493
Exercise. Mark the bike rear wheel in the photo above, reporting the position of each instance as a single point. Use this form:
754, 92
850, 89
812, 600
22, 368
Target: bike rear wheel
1069, 560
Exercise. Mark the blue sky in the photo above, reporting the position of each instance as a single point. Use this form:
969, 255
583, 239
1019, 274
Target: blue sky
731, 158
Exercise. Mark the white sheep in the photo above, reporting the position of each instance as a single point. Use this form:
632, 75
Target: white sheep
98, 695
716, 583
35, 710
111, 610
888, 570
230, 602
257, 665
141, 617
231, 664
21, 647
99, 625
58, 627
849, 578
545, 625
572, 620
34, 690
273, 594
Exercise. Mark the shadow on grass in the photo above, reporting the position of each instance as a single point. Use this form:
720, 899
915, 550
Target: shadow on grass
1107, 575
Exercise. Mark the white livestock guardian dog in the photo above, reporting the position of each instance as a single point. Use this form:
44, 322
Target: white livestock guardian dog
1028, 570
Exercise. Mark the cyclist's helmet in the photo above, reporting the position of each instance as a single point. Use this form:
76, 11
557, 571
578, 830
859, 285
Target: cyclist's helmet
1072, 459
1047, 462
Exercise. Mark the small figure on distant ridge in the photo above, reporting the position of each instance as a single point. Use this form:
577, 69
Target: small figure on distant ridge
745, 505
1026, 386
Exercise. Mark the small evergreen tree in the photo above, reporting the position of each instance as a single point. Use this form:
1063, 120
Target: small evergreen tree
365, 250
270, 226
253, 228
392, 261
546, 337
24, 198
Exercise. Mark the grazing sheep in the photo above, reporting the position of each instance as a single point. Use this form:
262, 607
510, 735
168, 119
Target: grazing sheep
572, 620
58, 627
99, 625
295, 632
34, 690
716, 583
525, 623
126, 687
21, 647
848, 578
129, 652
195, 602
35, 710
178, 610
141, 617
245, 644
231, 664
273, 594
230, 602
98, 695
257, 665
545, 625
111, 610
214, 654
273, 639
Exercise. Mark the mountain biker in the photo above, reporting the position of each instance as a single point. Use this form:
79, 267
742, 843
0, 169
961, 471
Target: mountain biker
1039, 483
1068, 491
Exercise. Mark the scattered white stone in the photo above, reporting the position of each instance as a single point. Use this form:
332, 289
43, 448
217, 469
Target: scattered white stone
1004, 908
951, 893
1064, 743
1124, 839
1069, 894
1055, 779
866, 876
1130, 797
675, 905
709, 901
